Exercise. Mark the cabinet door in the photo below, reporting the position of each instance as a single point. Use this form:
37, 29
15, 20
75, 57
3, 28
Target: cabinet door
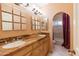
41, 51
45, 49
36, 52
36, 49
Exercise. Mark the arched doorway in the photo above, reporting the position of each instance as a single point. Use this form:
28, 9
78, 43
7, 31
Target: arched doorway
61, 29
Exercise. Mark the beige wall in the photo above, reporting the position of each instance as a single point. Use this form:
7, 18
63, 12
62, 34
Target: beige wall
76, 28
52, 9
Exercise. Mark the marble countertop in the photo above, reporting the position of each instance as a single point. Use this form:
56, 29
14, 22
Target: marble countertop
29, 41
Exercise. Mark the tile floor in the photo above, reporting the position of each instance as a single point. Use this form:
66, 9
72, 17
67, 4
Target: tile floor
59, 51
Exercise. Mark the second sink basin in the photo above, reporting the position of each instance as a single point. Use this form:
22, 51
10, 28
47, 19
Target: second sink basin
14, 44
42, 35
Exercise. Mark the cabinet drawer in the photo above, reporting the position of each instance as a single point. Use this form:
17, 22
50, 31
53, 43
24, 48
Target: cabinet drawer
35, 45
22, 52
6, 7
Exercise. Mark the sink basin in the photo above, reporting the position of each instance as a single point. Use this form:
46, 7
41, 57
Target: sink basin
42, 35
14, 44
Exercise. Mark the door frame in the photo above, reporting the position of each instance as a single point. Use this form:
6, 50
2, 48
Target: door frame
63, 30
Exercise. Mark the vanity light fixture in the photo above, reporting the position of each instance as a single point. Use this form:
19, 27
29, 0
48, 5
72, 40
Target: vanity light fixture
36, 12
34, 9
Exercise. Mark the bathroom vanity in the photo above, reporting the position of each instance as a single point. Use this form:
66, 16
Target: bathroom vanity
37, 45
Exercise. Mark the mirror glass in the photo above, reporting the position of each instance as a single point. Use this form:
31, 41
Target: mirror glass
16, 18
23, 26
6, 26
16, 26
6, 16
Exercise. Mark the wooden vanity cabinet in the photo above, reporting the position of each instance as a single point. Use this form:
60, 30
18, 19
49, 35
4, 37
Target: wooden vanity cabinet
38, 48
